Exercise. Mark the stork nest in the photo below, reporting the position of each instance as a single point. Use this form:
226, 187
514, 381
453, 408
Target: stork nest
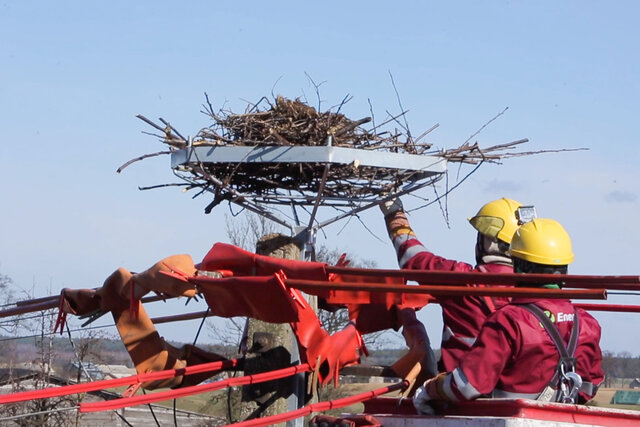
286, 122
289, 122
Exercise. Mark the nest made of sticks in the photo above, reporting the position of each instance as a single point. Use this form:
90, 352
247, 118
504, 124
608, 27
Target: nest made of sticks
287, 122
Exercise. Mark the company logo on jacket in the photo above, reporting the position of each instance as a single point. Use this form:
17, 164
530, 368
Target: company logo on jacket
565, 317
562, 317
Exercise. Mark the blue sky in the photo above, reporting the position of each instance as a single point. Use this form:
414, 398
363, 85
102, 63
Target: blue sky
75, 74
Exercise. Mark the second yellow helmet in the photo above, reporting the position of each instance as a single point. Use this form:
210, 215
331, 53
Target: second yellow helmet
542, 241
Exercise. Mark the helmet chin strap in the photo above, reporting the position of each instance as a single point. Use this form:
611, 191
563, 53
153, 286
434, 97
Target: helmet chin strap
524, 266
490, 250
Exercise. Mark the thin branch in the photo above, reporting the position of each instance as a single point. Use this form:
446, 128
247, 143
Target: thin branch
529, 153
317, 89
344, 101
272, 88
171, 128
449, 190
486, 124
373, 118
150, 123
209, 106
406, 123
426, 132
176, 184
145, 156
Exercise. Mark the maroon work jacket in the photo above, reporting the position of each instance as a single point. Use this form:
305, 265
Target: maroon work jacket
462, 316
514, 355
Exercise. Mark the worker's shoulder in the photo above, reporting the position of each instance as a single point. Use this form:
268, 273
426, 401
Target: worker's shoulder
587, 319
509, 313
517, 310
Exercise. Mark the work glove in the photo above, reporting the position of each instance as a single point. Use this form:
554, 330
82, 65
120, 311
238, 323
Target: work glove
430, 391
391, 206
422, 402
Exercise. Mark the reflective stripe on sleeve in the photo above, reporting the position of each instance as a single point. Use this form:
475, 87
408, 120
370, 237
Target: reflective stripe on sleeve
497, 393
400, 239
469, 341
464, 386
448, 334
588, 388
448, 391
409, 253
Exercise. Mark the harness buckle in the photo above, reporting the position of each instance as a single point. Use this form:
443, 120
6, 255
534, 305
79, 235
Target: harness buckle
570, 381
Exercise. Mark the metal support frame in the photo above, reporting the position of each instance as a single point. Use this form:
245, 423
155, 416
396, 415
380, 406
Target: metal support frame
428, 170
247, 202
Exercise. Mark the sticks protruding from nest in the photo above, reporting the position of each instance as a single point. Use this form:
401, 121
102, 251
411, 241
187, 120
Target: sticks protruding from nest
287, 122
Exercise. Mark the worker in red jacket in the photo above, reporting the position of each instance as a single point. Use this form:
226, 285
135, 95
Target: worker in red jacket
462, 316
543, 349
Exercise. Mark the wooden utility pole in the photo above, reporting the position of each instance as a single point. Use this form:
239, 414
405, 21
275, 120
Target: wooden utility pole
270, 346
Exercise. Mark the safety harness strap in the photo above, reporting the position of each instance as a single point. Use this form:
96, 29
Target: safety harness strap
566, 351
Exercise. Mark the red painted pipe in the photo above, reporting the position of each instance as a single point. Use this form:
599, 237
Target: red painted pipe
452, 278
30, 308
52, 298
116, 382
631, 283
321, 406
180, 317
618, 308
322, 288
191, 390
47, 303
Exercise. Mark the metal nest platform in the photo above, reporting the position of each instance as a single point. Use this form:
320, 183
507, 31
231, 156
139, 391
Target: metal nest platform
301, 175
349, 179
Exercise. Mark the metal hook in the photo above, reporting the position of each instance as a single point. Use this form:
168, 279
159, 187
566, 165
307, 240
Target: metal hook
571, 387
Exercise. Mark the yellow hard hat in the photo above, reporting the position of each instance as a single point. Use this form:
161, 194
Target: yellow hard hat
542, 241
497, 219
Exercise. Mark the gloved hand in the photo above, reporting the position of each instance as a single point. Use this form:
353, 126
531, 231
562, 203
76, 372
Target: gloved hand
429, 392
421, 401
391, 206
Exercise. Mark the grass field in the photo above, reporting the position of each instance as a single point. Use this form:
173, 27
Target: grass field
604, 397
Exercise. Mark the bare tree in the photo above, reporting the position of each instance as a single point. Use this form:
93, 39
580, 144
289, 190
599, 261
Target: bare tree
5, 288
6, 298
37, 371
37, 375
227, 332
246, 232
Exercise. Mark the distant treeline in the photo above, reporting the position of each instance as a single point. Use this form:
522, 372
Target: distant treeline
105, 351
619, 368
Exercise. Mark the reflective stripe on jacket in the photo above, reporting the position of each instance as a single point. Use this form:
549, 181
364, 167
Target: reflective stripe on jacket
462, 317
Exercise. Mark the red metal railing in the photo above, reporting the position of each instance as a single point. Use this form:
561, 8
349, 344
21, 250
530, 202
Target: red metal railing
619, 308
323, 288
53, 301
631, 283
196, 389
116, 382
322, 406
